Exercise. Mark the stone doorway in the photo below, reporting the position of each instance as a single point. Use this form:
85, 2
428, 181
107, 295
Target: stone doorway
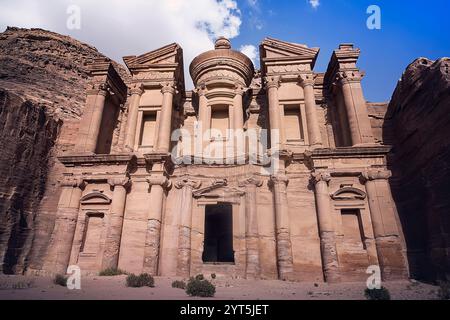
218, 244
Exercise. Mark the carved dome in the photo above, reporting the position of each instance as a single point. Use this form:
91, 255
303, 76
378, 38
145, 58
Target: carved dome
222, 65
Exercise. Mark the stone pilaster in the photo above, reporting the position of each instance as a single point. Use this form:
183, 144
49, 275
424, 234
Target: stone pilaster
356, 107
184, 237
114, 233
253, 265
276, 128
315, 137
153, 237
136, 92
92, 119
391, 255
58, 255
238, 125
326, 227
285, 262
165, 125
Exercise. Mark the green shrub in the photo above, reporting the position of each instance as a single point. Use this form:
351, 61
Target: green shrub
200, 288
378, 294
179, 285
142, 280
60, 280
111, 272
213, 276
444, 290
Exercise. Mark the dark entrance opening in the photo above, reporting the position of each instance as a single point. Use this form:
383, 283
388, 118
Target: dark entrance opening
218, 246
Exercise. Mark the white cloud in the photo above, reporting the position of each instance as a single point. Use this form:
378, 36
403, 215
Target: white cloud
314, 3
250, 51
119, 28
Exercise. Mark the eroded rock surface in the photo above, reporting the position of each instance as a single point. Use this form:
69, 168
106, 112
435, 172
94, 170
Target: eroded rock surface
418, 126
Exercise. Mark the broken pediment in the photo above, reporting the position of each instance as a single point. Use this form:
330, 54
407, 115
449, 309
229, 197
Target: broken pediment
218, 189
349, 193
95, 198
170, 54
298, 57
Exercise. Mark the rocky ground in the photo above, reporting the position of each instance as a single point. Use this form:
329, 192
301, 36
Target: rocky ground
113, 288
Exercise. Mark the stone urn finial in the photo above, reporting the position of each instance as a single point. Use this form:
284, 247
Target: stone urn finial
222, 43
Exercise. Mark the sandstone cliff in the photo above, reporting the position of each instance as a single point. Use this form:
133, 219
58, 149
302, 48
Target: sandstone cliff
43, 78
418, 126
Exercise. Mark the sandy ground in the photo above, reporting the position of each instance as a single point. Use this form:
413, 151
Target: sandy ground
113, 288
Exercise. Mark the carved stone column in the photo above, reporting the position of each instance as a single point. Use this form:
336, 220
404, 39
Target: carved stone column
387, 235
136, 92
184, 236
253, 268
355, 104
92, 119
153, 238
276, 128
60, 247
238, 125
283, 236
165, 125
326, 227
315, 137
114, 233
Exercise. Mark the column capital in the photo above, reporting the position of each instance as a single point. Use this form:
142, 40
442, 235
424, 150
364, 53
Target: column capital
372, 175
120, 181
188, 182
321, 176
240, 90
99, 89
306, 79
344, 77
136, 89
159, 181
73, 182
201, 90
278, 179
272, 82
252, 181
168, 87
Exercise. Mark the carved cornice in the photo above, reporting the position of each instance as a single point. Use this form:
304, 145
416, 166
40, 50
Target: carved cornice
321, 176
79, 160
372, 175
189, 183
252, 181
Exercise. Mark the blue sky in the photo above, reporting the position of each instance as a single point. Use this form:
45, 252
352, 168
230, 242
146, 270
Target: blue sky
410, 29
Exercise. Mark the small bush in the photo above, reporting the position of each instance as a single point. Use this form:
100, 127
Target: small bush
200, 277
142, 280
444, 290
111, 272
23, 285
179, 285
200, 288
378, 294
213, 276
60, 280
